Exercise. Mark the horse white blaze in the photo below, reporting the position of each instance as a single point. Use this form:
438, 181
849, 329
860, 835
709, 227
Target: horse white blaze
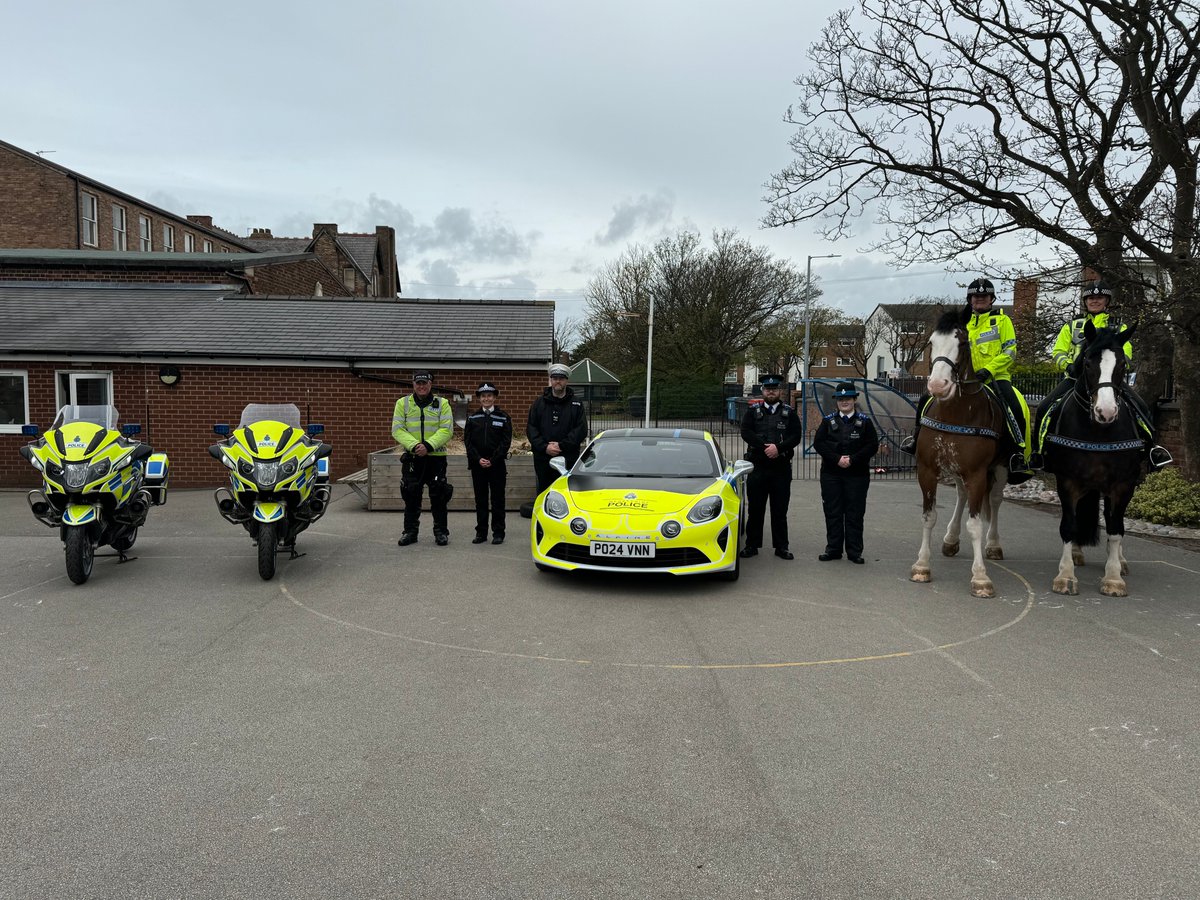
1104, 410
941, 374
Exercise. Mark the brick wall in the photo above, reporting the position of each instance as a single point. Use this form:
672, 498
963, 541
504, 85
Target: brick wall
117, 275
1170, 434
356, 412
298, 279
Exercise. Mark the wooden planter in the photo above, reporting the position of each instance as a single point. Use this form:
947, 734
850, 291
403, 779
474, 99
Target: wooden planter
383, 482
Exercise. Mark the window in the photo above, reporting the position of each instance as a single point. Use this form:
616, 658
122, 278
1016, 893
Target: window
208, 246
84, 388
821, 363
912, 327
90, 214
189, 242
145, 241
348, 277
169, 238
120, 238
845, 342
14, 400
845, 361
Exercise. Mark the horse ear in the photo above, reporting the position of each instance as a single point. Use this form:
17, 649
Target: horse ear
1089, 331
964, 314
1127, 333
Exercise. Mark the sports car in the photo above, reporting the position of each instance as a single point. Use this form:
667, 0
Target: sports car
643, 500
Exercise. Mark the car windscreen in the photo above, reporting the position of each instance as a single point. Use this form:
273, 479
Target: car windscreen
649, 457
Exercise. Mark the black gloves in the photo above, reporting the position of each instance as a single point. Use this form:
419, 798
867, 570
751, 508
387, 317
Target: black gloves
983, 375
1073, 369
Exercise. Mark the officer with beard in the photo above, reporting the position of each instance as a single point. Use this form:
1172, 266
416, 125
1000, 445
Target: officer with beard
771, 430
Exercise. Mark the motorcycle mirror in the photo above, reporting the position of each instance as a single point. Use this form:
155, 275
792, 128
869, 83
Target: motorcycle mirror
30, 430
222, 430
131, 429
315, 428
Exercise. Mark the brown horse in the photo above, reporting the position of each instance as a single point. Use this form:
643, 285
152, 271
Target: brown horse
962, 438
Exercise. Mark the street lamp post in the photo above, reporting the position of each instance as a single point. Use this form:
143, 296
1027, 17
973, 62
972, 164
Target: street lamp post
649, 350
808, 305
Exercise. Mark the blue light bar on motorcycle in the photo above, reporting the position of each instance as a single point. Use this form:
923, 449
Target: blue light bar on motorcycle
30, 430
131, 429
222, 430
315, 428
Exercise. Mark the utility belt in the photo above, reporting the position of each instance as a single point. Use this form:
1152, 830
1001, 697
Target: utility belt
414, 471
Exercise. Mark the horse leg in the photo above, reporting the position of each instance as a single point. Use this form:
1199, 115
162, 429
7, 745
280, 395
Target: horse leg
1065, 581
1077, 554
950, 541
977, 490
928, 481
993, 550
1113, 585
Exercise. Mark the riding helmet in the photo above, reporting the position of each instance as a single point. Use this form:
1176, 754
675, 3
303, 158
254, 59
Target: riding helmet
981, 286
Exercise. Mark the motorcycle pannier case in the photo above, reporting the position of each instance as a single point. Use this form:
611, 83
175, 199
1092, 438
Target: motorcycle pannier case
158, 469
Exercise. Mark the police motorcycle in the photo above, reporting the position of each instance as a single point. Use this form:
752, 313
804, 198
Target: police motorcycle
98, 484
278, 478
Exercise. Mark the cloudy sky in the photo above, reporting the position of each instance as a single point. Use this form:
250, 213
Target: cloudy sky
515, 146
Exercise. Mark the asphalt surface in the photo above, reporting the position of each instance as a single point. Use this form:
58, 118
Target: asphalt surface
450, 722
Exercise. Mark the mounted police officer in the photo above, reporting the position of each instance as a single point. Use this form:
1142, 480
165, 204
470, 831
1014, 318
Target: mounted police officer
771, 430
846, 440
1096, 298
993, 341
557, 426
488, 435
423, 424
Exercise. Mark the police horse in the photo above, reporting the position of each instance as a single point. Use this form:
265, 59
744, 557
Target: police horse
962, 438
1094, 450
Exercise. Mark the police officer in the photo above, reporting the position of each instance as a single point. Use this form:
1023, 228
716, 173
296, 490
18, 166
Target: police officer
771, 430
1096, 298
846, 440
488, 435
557, 426
423, 424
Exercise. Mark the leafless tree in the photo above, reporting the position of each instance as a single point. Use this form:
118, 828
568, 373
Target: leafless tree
566, 336
956, 124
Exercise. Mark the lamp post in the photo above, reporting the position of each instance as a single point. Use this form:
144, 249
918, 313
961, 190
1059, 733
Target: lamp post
649, 349
808, 304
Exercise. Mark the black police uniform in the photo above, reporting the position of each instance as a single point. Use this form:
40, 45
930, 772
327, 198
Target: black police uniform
771, 478
844, 491
560, 419
488, 435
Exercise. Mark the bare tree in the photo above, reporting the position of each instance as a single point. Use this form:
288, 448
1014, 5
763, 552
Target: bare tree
956, 124
566, 336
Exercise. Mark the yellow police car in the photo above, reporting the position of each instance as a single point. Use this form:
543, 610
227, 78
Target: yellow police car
644, 500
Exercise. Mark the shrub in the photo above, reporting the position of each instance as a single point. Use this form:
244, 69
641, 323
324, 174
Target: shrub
1167, 498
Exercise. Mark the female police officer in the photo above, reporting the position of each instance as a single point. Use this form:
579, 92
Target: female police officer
846, 441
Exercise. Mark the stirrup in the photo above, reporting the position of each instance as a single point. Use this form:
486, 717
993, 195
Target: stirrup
1160, 456
1037, 462
1017, 465
909, 445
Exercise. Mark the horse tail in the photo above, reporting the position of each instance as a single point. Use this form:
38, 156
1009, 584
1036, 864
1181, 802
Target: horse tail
1087, 520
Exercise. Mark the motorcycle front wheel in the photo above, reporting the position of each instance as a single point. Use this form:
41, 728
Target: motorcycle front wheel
266, 549
80, 555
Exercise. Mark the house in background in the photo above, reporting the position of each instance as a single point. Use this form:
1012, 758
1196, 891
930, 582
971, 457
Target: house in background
366, 263
898, 335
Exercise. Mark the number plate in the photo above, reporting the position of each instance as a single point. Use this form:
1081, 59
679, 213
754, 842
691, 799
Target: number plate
623, 549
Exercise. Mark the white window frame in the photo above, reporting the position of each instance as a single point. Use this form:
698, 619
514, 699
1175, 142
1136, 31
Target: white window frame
168, 234
845, 342
348, 277
912, 328
189, 242
89, 233
145, 234
845, 361
207, 245
120, 223
74, 376
15, 427
821, 363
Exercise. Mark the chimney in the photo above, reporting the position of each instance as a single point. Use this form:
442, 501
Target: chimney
1025, 298
261, 233
206, 221
318, 227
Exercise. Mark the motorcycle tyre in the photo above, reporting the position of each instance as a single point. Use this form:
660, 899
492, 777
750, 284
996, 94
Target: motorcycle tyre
266, 550
80, 555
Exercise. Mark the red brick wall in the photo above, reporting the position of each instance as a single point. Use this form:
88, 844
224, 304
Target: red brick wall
356, 413
298, 279
117, 275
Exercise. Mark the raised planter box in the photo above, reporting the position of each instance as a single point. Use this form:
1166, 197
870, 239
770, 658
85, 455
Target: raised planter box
383, 482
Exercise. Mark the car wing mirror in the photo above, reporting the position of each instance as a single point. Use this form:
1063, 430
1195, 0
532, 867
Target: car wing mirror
559, 464
742, 467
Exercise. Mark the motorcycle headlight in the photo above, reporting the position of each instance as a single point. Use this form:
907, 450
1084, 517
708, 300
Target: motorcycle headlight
288, 468
37, 463
245, 468
705, 511
76, 474
555, 505
266, 473
98, 470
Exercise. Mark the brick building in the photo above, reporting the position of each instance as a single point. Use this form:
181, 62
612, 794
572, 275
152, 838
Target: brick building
366, 263
342, 362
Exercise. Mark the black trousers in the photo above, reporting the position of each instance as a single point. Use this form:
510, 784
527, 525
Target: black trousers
489, 494
844, 499
425, 471
769, 481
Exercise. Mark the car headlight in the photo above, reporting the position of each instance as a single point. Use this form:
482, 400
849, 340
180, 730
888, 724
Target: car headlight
555, 505
578, 525
266, 473
705, 511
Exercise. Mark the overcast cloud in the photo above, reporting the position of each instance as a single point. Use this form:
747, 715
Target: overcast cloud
515, 147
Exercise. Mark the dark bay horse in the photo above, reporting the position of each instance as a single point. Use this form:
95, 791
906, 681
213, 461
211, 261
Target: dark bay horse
1095, 451
961, 439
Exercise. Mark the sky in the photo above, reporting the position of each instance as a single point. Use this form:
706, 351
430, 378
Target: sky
516, 147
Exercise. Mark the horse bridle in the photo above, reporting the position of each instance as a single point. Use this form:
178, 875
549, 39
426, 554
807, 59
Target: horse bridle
955, 377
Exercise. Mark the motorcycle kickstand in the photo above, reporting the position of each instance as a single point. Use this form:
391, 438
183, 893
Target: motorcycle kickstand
292, 550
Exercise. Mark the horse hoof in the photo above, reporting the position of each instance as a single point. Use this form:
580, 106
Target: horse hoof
950, 549
1113, 587
1067, 586
994, 553
920, 574
1124, 567
982, 589
1077, 558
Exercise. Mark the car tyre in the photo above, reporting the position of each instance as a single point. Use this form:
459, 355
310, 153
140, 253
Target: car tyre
735, 573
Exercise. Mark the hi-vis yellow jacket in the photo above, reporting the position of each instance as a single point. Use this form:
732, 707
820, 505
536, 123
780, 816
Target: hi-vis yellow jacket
993, 343
432, 425
1070, 339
